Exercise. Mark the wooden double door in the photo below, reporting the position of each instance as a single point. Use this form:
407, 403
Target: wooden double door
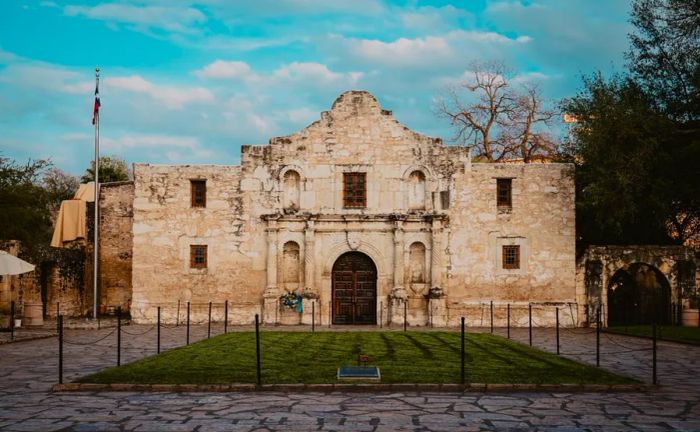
354, 289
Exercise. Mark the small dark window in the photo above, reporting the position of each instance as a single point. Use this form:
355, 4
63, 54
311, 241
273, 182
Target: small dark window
198, 256
504, 192
511, 257
199, 193
354, 190
445, 200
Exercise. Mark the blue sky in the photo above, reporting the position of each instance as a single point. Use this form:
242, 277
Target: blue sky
191, 81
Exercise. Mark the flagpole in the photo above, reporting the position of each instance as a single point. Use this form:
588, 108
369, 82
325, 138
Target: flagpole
96, 224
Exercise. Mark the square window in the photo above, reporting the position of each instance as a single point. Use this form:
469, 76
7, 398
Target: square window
198, 256
198, 191
504, 192
511, 257
354, 190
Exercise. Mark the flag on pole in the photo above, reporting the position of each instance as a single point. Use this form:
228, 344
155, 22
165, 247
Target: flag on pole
96, 107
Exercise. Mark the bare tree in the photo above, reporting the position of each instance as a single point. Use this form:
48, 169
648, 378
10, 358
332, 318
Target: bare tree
527, 117
495, 119
60, 186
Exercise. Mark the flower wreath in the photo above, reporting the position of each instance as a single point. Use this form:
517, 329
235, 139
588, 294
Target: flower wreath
291, 300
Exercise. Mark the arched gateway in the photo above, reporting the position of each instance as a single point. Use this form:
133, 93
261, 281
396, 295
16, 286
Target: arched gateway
354, 289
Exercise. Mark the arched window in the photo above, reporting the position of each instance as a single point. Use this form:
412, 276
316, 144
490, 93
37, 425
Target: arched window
290, 262
291, 190
416, 191
416, 260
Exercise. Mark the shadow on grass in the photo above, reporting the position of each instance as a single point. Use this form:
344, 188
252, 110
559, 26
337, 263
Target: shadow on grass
313, 358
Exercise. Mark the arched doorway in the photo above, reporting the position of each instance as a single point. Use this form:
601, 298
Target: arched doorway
640, 294
354, 289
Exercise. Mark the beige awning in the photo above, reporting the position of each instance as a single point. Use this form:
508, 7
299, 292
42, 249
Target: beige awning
70, 223
86, 192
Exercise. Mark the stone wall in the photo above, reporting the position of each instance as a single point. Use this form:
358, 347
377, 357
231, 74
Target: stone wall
165, 225
430, 221
597, 266
541, 221
116, 241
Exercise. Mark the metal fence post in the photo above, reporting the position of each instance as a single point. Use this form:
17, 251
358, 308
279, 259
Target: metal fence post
462, 371
60, 349
597, 339
381, 314
405, 313
177, 318
209, 324
313, 316
158, 350
119, 336
491, 316
188, 323
12, 320
529, 322
653, 353
508, 323
557, 308
330, 313
257, 349
58, 312
225, 316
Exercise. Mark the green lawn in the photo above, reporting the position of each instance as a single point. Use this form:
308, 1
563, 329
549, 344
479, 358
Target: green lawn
411, 357
689, 335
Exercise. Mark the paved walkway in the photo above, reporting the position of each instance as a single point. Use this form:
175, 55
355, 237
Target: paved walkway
27, 370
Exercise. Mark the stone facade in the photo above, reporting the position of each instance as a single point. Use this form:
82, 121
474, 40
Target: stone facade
431, 226
116, 220
671, 268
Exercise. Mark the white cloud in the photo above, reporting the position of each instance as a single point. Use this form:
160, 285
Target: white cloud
175, 148
173, 97
222, 69
174, 19
307, 71
403, 50
130, 141
428, 50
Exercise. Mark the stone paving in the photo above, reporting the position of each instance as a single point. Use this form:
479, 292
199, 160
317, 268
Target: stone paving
28, 369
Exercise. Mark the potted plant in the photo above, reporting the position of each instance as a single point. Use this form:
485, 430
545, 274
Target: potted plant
290, 308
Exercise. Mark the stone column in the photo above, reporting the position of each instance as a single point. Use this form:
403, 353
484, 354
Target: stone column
398, 293
436, 255
398, 255
308, 284
309, 239
271, 296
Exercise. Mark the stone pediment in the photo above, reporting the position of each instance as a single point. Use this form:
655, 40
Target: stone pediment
356, 123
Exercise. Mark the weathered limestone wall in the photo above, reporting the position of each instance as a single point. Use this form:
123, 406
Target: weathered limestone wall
164, 227
277, 223
116, 241
541, 222
595, 269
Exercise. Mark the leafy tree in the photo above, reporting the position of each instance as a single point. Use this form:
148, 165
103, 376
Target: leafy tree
24, 202
636, 181
496, 119
665, 54
112, 169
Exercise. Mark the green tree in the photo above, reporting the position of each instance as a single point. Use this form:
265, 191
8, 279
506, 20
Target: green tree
112, 169
24, 202
620, 148
665, 54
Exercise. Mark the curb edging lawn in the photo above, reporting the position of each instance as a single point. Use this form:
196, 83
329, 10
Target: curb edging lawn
360, 388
